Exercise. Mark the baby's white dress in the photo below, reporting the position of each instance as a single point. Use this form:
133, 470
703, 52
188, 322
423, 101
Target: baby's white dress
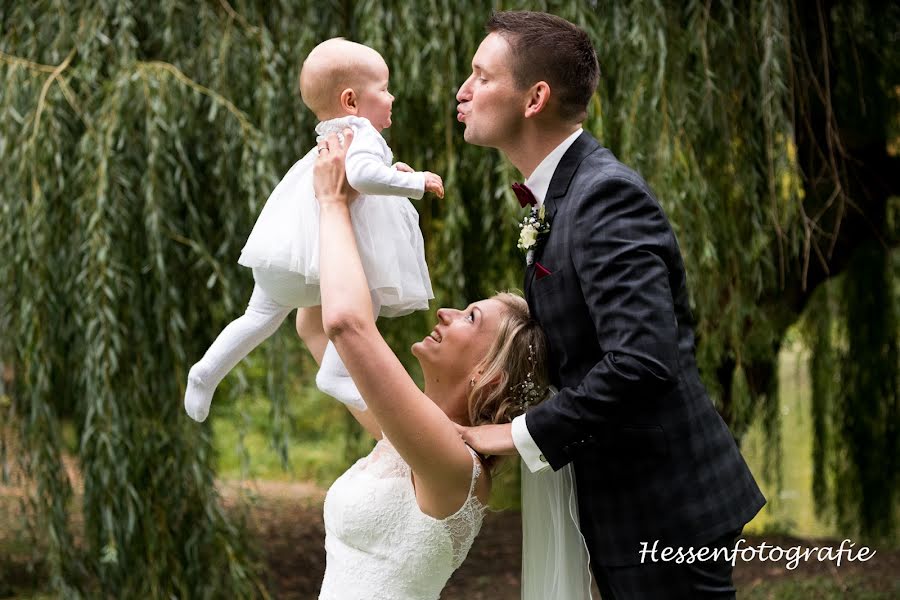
286, 235
283, 251
379, 545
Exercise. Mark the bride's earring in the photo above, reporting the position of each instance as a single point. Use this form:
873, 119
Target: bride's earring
472, 381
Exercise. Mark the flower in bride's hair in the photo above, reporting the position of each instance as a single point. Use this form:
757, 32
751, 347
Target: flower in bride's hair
527, 393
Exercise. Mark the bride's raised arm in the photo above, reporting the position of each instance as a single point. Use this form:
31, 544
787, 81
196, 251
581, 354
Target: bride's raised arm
309, 328
420, 431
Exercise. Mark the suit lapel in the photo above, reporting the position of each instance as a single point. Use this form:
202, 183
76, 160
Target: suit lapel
584, 145
529, 277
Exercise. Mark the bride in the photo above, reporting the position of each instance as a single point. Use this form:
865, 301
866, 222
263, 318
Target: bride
402, 519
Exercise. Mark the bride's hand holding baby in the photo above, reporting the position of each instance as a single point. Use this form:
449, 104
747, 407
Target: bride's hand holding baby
329, 173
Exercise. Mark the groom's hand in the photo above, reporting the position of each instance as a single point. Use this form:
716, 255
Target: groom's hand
493, 440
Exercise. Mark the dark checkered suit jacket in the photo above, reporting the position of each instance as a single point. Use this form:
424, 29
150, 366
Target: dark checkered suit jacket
653, 459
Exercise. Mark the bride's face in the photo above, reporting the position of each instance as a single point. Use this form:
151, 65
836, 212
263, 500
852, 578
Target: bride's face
459, 341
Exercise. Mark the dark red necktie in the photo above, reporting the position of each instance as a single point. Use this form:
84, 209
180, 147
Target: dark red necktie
526, 198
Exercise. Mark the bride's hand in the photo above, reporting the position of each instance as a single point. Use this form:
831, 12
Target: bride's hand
329, 174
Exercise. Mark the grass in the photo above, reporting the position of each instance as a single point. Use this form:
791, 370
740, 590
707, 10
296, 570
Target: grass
821, 588
321, 444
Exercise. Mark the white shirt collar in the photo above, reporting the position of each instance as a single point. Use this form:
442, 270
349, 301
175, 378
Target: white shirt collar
539, 182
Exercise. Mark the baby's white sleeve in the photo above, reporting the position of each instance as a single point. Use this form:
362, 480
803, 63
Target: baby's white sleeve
367, 173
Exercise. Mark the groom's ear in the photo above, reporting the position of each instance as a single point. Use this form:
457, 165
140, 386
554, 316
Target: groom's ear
538, 99
349, 101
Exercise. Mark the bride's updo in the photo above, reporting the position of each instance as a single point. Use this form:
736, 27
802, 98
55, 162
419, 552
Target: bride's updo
513, 374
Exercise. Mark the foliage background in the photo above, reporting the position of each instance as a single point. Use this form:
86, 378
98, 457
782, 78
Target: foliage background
139, 140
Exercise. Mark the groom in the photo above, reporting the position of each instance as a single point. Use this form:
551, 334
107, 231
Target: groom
654, 463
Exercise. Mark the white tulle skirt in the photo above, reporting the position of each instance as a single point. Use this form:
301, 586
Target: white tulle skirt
285, 240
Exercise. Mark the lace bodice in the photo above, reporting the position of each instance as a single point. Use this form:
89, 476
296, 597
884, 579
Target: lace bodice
379, 545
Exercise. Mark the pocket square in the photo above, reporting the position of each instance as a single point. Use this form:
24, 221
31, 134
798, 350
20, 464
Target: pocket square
540, 271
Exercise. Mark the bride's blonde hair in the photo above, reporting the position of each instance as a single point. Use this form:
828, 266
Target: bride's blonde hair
513, 374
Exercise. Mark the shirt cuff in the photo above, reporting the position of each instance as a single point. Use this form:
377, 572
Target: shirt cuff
528, 449
418, 191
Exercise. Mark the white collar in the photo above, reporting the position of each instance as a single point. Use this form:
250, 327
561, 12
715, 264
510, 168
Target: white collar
539, 182
338, 124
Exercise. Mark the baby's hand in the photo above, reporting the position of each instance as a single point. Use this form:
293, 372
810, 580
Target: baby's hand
434, 184
402, 166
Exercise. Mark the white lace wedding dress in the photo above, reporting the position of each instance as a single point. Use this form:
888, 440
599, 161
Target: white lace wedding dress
380, 545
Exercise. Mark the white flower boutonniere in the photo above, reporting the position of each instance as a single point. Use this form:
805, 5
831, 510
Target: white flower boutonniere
533, 227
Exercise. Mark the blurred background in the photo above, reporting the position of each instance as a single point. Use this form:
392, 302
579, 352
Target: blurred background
139, 141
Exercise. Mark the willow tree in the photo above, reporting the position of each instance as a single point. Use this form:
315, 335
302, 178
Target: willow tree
138, 141
770, 132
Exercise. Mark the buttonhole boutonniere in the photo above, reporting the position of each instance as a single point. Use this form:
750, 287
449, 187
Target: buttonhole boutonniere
533, 228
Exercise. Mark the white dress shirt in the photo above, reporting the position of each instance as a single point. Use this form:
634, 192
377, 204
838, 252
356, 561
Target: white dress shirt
538, 183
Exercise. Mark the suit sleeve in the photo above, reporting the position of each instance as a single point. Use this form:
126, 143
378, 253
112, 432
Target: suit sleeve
367, 173
620, 240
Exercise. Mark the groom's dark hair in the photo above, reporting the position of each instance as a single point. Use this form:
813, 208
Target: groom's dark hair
549, 48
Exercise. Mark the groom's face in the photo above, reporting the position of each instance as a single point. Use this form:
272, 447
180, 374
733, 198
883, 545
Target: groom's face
490, 104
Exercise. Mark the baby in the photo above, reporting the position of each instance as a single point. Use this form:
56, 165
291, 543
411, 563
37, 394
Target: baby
346, 85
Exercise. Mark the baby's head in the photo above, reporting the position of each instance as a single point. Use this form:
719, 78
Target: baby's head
341, 78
